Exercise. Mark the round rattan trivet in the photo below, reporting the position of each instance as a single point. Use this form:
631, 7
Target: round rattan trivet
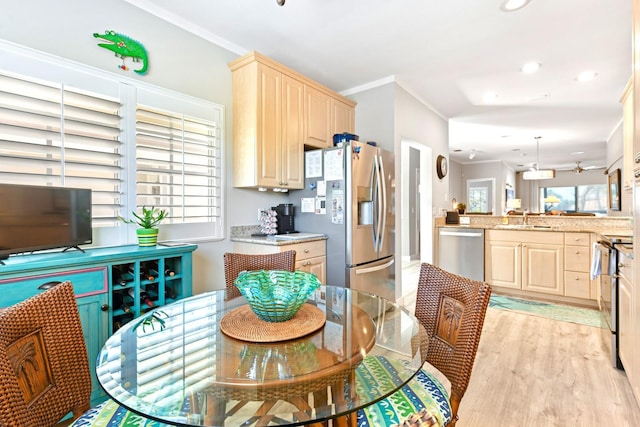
243, 324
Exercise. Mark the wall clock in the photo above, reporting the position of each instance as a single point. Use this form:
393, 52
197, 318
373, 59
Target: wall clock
441, 166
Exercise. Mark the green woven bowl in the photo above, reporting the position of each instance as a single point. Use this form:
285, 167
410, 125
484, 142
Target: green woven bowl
276, 295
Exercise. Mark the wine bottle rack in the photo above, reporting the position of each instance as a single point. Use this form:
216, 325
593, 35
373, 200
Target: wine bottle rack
138, 286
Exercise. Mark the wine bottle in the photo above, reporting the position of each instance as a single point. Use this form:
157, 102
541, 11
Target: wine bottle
169, 272
118, 302
144, 297
169, 293
151, 272
116, 276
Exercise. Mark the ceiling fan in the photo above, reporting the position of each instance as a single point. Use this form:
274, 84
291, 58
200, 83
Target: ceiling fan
578, 169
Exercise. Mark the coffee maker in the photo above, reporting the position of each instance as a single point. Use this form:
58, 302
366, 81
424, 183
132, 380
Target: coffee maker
285, 218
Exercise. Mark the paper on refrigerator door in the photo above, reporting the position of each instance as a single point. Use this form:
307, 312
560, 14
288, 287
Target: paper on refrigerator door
313, 164
334, 165
337, 207
308, 204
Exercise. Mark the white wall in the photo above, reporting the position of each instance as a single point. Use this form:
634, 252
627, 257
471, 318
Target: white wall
178, 61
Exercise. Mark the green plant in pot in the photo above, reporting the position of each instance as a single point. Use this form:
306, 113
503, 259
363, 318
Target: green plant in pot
148, 224
461, 207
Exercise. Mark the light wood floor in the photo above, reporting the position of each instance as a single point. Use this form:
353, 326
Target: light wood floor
533, 371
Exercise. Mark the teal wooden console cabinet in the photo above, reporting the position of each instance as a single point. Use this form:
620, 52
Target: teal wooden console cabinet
113, 285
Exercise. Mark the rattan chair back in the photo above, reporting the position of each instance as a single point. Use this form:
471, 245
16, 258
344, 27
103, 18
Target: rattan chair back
43, 360
452, 310
234, 263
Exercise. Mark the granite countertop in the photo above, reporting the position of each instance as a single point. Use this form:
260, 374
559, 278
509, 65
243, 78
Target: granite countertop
609, 226
277, 240
250, 234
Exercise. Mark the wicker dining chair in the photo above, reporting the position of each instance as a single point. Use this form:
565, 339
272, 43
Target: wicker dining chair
45, 368
235, 263
452, 309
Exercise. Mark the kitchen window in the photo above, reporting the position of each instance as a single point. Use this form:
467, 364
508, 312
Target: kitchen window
178, 165
56, 135
580, 198
131, 143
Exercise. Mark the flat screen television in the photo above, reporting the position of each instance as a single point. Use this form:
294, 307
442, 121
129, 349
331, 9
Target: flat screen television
34, 218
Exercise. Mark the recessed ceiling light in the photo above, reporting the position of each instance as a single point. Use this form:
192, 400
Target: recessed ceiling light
575, 153
457, 150
530, 67
586, 76
511, 5
516, 149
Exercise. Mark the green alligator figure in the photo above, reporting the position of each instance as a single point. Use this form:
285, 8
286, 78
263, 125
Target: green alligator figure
124, 47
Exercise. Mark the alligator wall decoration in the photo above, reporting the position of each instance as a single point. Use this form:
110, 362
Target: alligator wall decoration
124, 47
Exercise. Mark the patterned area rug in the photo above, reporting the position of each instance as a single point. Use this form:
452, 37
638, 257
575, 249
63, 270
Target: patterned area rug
566, 313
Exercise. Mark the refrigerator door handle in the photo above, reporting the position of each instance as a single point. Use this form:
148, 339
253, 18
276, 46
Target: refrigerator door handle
382, 218
375, 200
378, 206
376, 268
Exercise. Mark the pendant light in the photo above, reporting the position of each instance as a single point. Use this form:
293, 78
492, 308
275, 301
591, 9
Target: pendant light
538, 173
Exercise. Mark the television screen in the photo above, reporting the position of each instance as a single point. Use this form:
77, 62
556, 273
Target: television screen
36, 218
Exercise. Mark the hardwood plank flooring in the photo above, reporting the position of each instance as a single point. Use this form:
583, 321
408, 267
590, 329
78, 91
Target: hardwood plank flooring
533, 371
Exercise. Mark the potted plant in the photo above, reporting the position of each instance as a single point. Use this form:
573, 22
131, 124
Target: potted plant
461, 207
148, 224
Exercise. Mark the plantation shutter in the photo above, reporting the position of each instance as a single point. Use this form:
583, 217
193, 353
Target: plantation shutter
178, 165
54, 135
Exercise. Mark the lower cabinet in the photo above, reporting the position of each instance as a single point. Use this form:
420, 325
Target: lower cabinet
503, 262
112, 285
577, 266
530, 261
543, 267
310, 256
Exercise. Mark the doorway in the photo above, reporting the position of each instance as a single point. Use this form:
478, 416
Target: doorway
416, 213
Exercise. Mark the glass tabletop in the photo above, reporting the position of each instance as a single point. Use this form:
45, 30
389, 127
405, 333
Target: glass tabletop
174, 364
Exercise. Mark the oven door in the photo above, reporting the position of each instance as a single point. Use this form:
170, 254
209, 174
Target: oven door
607, 284
609, 300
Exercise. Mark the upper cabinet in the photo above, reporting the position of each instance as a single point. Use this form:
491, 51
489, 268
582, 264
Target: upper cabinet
276, 113
629, 163
325, 116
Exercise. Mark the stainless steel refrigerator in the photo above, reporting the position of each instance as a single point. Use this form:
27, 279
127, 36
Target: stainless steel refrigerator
349, 196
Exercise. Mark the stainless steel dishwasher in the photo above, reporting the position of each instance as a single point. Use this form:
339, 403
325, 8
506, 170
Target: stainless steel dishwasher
461, 251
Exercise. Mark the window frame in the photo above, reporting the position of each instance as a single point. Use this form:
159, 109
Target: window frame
38, 65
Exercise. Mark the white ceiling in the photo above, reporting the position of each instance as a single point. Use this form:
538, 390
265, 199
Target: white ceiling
449, 54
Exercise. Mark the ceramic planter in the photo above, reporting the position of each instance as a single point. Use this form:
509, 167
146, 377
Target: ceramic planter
147, 236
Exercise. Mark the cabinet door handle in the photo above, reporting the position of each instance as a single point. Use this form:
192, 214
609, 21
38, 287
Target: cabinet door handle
577, 252
306, 251
577, 278
49, 285
104, 307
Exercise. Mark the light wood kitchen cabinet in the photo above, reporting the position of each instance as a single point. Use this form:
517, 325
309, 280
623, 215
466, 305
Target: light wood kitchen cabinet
543, 267
503, 265
577, 265
276, 112
325, 116
317, 125
525, 260
311, 256
627, 135
267, 128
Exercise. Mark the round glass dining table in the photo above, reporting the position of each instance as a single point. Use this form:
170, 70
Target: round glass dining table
175, 364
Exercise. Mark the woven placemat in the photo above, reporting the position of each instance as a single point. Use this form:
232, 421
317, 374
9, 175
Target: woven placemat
243, 324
